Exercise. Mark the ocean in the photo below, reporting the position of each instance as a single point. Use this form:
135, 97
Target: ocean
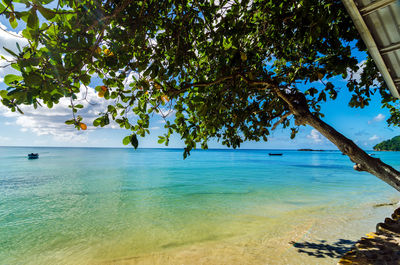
149, 206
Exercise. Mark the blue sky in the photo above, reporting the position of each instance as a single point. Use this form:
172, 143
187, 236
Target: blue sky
44, 127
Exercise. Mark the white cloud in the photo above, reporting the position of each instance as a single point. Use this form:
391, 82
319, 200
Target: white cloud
315, 136
4, 140
9, 39
356, 75
377, 118
374, 137
45, 121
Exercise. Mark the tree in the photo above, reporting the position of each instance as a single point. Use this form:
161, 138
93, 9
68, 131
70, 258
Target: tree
231, 70
389, 145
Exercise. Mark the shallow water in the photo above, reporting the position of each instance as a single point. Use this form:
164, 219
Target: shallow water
97, 205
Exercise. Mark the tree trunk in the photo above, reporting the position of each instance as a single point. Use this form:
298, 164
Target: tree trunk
363, 162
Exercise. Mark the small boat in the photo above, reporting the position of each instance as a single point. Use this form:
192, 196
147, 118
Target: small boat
33, 156
275, 154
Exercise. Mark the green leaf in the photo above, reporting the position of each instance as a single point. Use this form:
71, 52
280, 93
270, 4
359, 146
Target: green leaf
127, 140
13, 22
85, 79
10, 52
8, 79
322, 96
45, 2
97, 122
70, 122
16, 67
3, 93
18, 47
134, 141
33, 20
33, 79
46, 13
19, 110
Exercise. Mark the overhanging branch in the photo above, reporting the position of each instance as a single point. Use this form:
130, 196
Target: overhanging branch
363, 162
281, 120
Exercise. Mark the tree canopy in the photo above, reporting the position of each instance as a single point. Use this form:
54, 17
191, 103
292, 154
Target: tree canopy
389, 145
231, 70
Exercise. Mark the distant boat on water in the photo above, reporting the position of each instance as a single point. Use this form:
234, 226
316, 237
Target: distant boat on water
309, 150
33, 156
275, 154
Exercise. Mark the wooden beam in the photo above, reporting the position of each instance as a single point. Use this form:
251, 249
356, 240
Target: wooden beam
369, 41
366, 10
390, 48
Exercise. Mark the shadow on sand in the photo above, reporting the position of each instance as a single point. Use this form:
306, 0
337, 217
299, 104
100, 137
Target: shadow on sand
323, 249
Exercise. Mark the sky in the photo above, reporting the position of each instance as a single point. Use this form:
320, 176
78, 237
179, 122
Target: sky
46, 127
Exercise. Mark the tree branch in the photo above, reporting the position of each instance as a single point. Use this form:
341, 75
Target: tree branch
221, 80
363, 162
281, 120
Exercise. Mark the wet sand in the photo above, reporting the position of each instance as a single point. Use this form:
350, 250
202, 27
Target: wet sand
316, 236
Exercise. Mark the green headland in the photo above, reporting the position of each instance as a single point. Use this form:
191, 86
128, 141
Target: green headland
389, 145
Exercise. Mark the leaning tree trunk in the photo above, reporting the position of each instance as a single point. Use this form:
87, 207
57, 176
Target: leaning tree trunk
363, 162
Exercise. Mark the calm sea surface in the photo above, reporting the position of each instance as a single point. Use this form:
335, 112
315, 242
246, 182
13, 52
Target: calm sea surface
77, 205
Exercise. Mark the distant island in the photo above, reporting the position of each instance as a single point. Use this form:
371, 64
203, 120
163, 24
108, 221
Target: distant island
389, 145
308, 149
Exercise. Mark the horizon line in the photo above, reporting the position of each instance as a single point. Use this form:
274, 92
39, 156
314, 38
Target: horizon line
176, 148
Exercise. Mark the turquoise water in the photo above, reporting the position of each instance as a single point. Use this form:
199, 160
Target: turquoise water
76, 205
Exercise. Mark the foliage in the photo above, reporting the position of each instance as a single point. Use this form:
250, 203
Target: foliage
389, 145
213, 63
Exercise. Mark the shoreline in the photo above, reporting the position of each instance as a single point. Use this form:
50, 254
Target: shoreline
313, 235
311, 241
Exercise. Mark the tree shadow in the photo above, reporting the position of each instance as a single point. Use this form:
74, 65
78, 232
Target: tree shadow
323, 249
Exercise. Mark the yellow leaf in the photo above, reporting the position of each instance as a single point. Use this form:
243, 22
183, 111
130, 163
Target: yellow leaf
101, 94
108, 52
251, 76
165, 98
371, 235
243, 56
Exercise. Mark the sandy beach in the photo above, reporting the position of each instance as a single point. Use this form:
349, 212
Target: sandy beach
299, 240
